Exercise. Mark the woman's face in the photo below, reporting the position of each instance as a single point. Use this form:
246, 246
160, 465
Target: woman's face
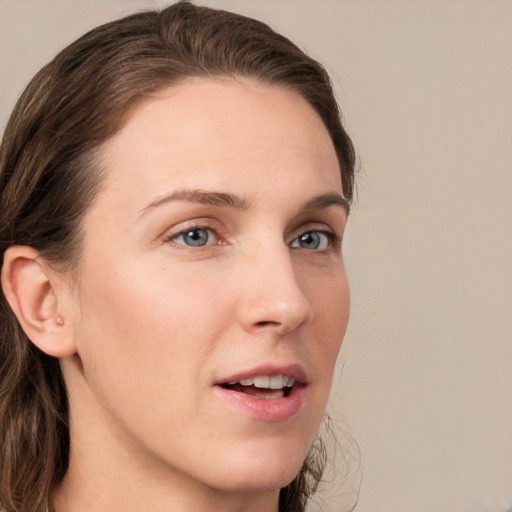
211, 271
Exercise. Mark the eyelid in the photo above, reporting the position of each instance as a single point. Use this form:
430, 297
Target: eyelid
191, 225
334, 239
321, 227
215, 228
185, 233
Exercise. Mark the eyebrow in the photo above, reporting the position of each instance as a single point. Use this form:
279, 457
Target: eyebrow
219, 199
229, 200
326, 200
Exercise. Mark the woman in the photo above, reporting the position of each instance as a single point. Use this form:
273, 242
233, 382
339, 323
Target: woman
174, 189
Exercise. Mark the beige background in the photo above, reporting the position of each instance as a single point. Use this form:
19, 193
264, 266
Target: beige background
426, 386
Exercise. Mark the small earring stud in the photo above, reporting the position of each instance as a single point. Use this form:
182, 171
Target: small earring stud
59, 320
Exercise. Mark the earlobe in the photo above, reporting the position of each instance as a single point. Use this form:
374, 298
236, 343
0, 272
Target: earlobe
31, 290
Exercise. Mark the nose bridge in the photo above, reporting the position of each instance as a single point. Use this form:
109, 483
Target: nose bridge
271, 294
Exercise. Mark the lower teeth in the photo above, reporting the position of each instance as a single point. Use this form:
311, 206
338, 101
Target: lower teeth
274, 393
259, 392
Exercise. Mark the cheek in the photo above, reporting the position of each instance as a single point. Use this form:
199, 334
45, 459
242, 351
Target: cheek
155, 324
331, 307
145, 342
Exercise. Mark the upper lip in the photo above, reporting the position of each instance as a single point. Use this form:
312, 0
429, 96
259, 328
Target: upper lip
296, 371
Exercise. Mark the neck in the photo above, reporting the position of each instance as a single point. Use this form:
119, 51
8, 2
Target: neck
89, 494
109, 483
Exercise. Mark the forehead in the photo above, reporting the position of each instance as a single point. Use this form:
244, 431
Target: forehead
223, 131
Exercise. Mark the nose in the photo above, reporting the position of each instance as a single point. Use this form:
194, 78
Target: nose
270, 294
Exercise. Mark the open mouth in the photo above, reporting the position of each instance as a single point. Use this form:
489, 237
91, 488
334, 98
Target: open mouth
266, 394
263, 386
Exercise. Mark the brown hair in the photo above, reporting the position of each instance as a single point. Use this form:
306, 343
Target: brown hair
48, 177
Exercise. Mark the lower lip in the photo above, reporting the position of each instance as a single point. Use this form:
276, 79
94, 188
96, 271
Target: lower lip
266, 409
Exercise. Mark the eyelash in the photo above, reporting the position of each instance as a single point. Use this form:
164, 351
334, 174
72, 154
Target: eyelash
172, 238
333, 241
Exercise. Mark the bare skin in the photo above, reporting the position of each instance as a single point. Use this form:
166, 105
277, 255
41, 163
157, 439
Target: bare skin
212, 251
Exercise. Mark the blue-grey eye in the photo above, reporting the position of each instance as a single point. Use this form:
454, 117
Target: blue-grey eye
313, 240
197, 237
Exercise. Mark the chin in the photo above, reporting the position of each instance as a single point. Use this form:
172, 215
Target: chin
259, 483
268, 471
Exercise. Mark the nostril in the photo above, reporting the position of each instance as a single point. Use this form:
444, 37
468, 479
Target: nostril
267, 323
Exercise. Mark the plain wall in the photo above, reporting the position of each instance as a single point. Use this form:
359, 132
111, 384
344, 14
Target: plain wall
425, 382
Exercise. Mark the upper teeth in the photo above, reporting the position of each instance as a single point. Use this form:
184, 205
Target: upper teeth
264, 381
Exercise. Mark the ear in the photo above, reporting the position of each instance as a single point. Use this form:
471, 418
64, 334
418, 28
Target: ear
33, 290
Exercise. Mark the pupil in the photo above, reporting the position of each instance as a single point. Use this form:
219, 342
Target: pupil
196, 237
310, 240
